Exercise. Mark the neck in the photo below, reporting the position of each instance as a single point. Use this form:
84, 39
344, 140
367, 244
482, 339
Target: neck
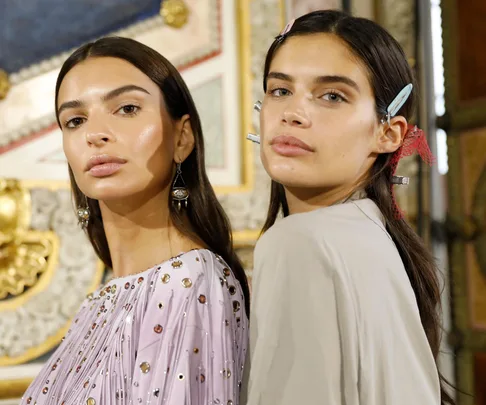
140, 233
302, 200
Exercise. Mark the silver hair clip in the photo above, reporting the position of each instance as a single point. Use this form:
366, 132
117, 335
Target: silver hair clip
253, 137
397, 103
401, 180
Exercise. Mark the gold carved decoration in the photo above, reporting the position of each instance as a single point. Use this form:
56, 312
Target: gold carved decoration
23, 253
4, 84
174, 12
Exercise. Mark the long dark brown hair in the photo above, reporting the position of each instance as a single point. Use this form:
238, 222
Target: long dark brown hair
389, 72
205, 219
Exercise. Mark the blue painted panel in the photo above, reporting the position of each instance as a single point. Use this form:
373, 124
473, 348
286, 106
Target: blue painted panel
34, 30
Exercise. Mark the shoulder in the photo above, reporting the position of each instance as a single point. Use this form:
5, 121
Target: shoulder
199, 264
311, 229
325, 235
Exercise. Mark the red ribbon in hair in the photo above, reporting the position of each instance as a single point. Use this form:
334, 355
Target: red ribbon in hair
414, 141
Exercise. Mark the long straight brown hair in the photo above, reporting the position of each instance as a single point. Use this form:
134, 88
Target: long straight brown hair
389, 72
205, 220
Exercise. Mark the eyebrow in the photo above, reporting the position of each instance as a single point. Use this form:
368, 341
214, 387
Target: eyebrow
107, 97
319, 79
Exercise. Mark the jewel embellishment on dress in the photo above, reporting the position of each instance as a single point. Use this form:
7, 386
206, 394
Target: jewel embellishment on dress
202, 299
187, 283
165, 278
158, 329
145, 367
177, 264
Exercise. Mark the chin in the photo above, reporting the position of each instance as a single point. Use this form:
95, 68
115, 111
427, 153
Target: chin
112, 191
287, 174
293, 180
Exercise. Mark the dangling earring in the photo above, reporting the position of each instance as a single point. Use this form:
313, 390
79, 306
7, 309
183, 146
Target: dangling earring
83, 214
180, 193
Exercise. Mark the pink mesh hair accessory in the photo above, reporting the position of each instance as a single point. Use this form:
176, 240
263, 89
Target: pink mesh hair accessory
414, 141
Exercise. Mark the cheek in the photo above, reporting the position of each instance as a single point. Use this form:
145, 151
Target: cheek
73, 153
150, 136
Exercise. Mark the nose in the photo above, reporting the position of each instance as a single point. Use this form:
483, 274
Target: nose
98, 137
296, 117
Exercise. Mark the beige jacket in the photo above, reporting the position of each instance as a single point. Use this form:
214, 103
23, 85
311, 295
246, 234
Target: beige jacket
334, 317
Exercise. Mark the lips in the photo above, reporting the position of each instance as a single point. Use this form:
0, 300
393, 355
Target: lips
290, 146
104, 165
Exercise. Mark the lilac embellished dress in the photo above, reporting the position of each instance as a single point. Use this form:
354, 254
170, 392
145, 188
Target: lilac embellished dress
175, 334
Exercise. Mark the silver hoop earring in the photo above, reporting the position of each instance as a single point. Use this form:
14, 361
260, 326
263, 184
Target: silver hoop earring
180, 193
83, 214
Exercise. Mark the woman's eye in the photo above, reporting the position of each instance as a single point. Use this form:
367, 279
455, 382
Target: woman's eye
333, 97
128, 109
74, 122
279, 92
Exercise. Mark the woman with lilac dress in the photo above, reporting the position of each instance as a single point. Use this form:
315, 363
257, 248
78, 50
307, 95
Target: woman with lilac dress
171, 327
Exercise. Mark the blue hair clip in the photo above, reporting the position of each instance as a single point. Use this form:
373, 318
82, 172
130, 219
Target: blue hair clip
398, 102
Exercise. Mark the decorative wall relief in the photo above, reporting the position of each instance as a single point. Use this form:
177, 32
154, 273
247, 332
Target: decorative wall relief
4, 84
174, 12
47, 266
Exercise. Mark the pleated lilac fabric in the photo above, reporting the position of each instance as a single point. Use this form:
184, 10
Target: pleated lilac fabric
175, 334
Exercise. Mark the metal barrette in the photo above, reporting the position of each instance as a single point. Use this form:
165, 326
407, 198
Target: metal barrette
253, 137
401, 180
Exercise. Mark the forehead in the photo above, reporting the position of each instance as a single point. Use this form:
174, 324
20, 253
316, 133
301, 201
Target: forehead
319, 55
102, 74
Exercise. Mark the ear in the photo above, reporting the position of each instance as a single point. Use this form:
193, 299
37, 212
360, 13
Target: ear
390, 135
183, 139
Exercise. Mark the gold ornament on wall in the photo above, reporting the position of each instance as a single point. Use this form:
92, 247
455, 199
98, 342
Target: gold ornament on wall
23, 253
4, 84
174, 12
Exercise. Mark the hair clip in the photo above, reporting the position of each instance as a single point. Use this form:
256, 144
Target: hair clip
398, 102
286, 30
401, 180
253, 137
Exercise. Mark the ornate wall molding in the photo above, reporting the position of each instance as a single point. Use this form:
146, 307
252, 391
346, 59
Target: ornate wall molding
33, 322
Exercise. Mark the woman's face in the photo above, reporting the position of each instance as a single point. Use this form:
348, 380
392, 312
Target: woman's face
318, 128
118, 138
